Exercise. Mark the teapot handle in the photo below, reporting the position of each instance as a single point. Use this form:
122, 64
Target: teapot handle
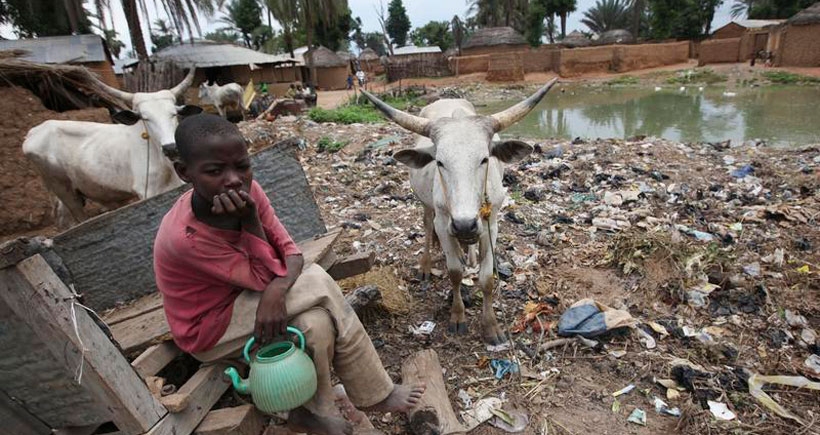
295, 331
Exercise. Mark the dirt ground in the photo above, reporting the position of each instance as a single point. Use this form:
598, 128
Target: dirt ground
26, 205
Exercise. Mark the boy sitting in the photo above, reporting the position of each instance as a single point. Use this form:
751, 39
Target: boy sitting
227, 268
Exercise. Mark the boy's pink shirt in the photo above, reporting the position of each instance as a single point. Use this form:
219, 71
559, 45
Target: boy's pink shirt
200, 270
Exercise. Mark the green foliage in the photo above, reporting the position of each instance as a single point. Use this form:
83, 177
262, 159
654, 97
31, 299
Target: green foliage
32, 18
762, 9
608, 15
625, 80
787, 78
372, 40
684, 19
535, 24
334, 33
349, 114
495, 13
326, 144
162, 35
398, 23
434, 33
113, 42
244, 16
223, 36
699, 76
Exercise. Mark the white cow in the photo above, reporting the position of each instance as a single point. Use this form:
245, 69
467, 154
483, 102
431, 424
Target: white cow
229, 95
456, 171
110, 163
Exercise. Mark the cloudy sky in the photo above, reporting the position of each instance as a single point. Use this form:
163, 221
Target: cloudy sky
419, 11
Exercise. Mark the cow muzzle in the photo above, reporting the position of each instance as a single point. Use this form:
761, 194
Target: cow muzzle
465, 230
170, 151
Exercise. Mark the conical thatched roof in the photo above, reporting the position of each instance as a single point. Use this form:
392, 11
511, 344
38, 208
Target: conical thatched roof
345, 56
810, 15
490, 36
619, 36
575, 39
368, 54
323, 57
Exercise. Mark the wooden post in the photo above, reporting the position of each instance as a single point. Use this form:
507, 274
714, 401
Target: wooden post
71, 335
240, 420
202, 391
434, 414
16, 420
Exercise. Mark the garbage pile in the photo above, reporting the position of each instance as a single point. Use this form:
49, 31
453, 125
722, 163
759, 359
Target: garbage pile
701, 262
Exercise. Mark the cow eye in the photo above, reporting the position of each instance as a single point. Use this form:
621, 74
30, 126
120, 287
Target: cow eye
485, 160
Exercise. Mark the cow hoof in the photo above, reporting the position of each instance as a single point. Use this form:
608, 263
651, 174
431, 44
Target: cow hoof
457, 328
423, 277
495, 339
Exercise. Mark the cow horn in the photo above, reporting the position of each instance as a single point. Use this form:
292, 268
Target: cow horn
126, 97
414, 123
185, 83
502, 120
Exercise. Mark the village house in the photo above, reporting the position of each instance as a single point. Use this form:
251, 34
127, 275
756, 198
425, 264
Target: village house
796, 42
370, 62
331, 70
89, 51
493, 40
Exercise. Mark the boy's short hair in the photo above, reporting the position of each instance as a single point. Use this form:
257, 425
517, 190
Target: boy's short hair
192, 131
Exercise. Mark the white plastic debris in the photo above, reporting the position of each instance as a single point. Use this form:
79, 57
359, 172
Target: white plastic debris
638, 416
623, 390
721, 411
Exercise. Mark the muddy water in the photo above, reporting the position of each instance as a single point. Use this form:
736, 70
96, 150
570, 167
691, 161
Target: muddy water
783, 116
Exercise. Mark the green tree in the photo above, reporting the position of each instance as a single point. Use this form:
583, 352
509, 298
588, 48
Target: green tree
398, 24
113, 42
607, 15
459, 32
335, 36
243, 16
773, 9
563, 8
535, 24
434, 33
683, 19
287, 14
495, 13
162, 35
223, 36
313, 12
32, 18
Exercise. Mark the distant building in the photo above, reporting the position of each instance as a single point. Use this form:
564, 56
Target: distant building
89, 51
490, 40
797, 41
331, 70
737, 28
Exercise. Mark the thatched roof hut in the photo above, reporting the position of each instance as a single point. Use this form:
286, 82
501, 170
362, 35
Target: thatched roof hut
808, 16
323, 57
369, 54
490, 36
575, 39
346, 56
618, 36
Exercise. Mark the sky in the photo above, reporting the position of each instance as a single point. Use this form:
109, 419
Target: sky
419, 11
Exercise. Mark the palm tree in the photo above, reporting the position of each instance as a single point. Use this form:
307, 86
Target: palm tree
132, 17
286, 12
607, 15
562, 9
741, 8
458, 32
494, 13
313, 11
638, 7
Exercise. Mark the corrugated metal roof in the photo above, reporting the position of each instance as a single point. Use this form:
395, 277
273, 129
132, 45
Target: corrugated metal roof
206, 54
757, 24
60, 49
119, 64
412, 49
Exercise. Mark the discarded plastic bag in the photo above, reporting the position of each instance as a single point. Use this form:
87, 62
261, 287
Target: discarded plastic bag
721, 411
503, 366
756, 383
510, 421
589, 318
481, 412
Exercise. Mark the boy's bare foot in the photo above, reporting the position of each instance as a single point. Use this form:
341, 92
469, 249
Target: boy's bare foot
403, 398
302, 420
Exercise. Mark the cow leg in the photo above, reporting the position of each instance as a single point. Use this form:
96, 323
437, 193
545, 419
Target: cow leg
220, 110
426, 261
453, 253
490, 331
69, 208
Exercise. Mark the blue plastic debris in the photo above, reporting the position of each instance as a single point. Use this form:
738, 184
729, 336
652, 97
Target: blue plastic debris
589, 318
502, 367
743, 172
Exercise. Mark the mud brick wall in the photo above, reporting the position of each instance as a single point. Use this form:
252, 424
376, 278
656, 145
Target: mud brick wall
635, 57
469, 64
799, 46
577, 61
494, 49
110, 256
719, 51
506, 68
541, 59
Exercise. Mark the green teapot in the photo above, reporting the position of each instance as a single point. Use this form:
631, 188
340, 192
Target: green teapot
282, 376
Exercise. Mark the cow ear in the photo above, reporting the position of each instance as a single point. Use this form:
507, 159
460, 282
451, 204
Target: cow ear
510, 151
125, 117
188, 110
416, 158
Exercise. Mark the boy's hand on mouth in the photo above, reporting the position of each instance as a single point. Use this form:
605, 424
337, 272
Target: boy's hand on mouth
234, 203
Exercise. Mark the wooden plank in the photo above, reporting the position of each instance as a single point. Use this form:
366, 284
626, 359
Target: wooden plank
155, 358
73, 336
352, 265
111, 266
434, 413
13, 251
16, 420
203, 389
151, 326
239, 420
78, 430
136, 308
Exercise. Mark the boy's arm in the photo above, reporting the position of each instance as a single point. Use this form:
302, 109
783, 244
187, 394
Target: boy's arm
271, 313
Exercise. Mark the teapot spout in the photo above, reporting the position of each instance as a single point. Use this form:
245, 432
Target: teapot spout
239, 384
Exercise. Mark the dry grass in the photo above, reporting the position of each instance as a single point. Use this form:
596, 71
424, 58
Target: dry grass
395, 300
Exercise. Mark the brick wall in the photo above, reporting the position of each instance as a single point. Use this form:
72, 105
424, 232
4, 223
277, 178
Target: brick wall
719, 51
799, 46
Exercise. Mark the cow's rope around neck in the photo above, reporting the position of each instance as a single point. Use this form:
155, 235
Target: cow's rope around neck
147, 138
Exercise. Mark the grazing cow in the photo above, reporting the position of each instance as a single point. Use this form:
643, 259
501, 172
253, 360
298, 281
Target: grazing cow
110, 163
221, 97
456, 170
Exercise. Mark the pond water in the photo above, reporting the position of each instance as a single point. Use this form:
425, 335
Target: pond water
783, 115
